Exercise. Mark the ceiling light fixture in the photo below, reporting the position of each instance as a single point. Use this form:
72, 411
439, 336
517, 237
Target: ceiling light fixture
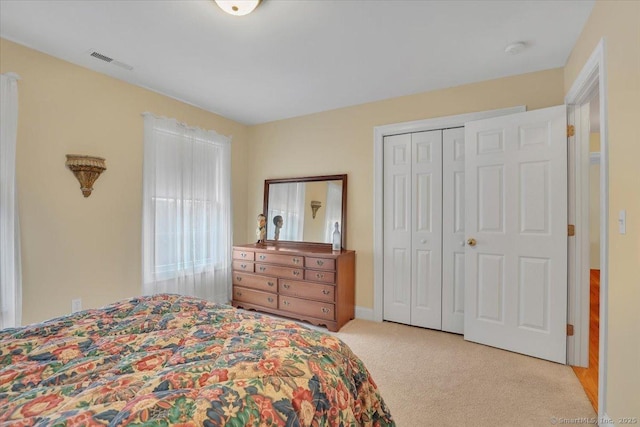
515, 48
238, 7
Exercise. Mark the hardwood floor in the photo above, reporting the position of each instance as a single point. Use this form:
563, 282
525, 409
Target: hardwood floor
589, 376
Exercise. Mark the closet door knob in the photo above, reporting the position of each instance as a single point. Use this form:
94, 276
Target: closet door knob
423, 241
471, 242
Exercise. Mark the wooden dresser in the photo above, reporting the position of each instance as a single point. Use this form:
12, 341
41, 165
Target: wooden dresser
307, 283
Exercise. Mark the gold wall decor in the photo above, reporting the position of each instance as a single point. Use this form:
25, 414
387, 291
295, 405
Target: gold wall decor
86, 169
315, 205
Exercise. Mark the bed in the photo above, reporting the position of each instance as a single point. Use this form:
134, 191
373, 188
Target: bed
173, 360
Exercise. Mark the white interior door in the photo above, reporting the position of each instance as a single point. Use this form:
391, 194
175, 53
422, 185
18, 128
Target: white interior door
397, 228
412, 228
516, 210
426, 247
453, 237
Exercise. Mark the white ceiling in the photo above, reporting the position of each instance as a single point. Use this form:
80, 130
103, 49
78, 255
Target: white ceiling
291, 58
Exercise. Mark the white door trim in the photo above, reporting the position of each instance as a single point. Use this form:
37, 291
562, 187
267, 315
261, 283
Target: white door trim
379, 132
592, 75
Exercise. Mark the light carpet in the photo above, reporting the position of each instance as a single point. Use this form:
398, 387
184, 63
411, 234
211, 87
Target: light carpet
435, 378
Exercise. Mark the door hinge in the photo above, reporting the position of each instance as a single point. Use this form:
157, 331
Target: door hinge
569, 330
571, 130
572, 230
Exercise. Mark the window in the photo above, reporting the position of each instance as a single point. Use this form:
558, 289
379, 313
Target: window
186, 210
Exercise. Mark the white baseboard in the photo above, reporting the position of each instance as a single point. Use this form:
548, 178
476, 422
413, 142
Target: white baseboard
364, 313
605, 421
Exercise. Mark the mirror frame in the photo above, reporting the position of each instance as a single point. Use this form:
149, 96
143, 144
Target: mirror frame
343, 228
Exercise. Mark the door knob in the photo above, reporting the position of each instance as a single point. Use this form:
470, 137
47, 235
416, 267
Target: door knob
471, 242
423, 241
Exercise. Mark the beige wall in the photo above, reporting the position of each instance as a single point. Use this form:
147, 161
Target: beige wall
89, 248
341, 141
618, 22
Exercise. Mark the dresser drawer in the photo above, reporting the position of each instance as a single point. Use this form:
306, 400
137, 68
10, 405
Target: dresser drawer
254, 281
320, 263
276, 270
246, 255
243, 266
320, 310
307, 290
290, 260
320, 276
255, 297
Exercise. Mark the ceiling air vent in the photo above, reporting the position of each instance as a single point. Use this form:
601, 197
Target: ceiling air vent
110, 60
101, 57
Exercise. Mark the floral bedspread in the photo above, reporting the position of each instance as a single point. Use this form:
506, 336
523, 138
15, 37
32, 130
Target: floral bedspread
173, 360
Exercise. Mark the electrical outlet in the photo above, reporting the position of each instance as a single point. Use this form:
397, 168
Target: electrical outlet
76, 305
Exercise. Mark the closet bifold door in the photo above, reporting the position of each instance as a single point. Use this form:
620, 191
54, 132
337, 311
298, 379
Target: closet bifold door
397, 228
413, 228
453, 238
426, 236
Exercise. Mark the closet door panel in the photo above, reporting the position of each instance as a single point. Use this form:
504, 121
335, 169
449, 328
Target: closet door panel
453, 237
397, 228
426, 220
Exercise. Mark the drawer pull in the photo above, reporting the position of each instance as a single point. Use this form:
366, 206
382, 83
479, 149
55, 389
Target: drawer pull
262, 268
243, 266
262, 257
286, 302
296, 273
319, 275
296, 260
270, 299
243, 254
239, 293
270, 283
286, 286
325, 310
326, 291
239, 279
320, 262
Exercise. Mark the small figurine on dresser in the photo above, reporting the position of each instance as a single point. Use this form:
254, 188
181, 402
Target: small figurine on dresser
261, 231
277, 221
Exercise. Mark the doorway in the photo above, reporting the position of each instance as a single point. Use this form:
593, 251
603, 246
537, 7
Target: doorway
588, 375
591, 80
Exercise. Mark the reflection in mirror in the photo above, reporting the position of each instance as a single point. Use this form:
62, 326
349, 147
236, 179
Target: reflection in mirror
306, 209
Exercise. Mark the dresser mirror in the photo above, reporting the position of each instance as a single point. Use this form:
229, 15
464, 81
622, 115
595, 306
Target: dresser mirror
306, 209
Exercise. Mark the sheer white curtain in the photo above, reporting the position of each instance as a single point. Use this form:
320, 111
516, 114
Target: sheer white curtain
186, 210
287, 200
10, 267
333, 213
